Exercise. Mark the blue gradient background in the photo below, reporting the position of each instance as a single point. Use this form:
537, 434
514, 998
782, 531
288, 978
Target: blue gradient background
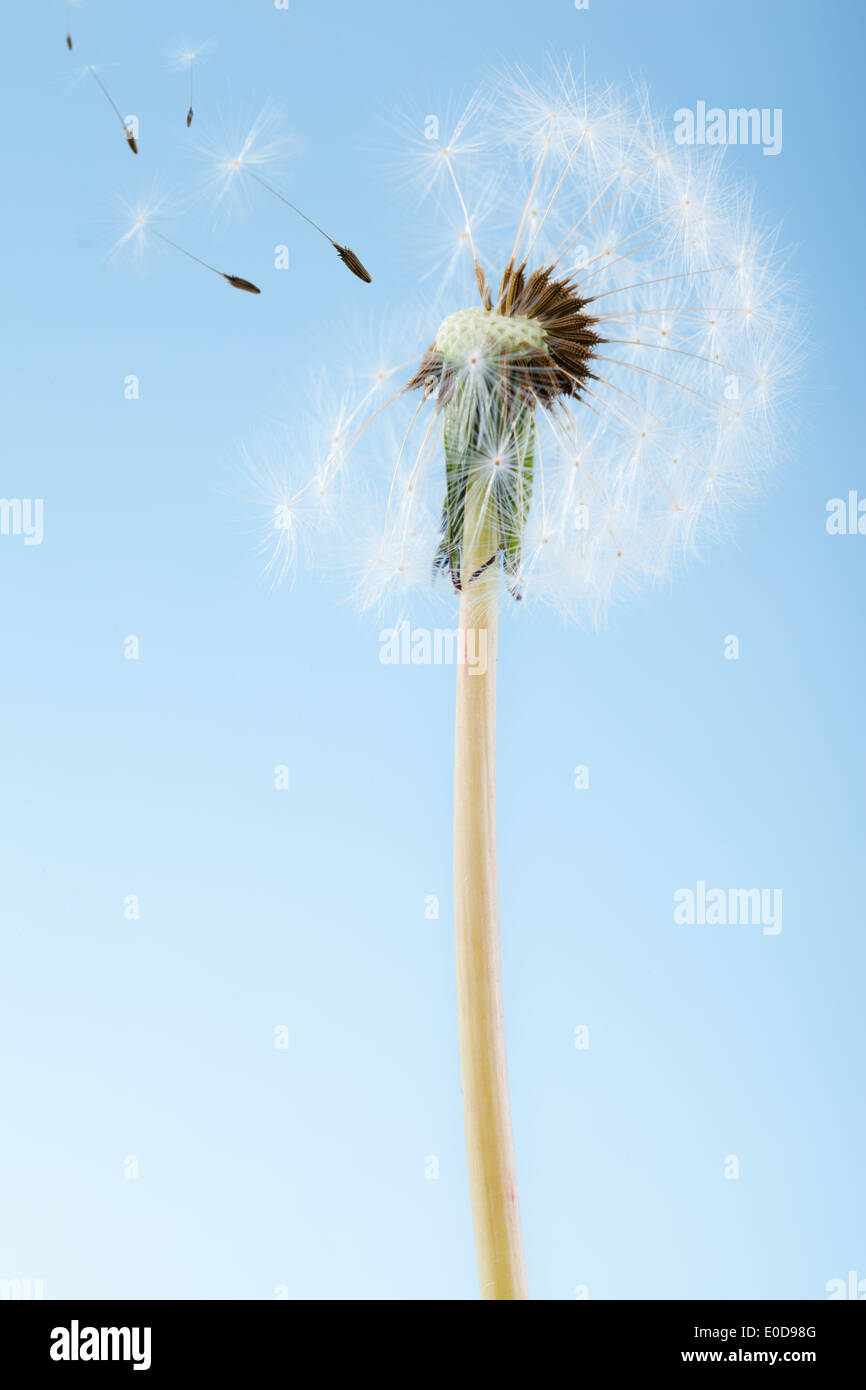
305, 1168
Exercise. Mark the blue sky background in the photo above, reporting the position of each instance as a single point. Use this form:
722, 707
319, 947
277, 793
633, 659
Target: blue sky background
305, 1168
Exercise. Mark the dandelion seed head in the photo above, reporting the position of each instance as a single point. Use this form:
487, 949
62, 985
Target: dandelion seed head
477, 331
619, 387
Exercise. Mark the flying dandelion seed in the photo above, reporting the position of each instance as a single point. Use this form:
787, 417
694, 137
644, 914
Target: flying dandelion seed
348, 257
245, 160
130, 138
139, 221
69, 5
614, 389
184, 58
235, 280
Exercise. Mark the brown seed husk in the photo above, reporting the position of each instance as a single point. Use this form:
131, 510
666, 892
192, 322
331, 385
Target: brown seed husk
241, 284
351, 260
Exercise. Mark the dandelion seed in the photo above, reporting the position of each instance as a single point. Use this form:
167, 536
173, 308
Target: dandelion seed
69, 7
348, 257
140, 226
235, 280
130, 138
184, 58
253, 153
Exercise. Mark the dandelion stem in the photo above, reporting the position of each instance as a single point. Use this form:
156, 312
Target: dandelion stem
486, 1109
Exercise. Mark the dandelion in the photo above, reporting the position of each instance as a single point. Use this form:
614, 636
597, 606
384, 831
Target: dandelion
242, 160
139, 220
127, 130
614, 389
184, 59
